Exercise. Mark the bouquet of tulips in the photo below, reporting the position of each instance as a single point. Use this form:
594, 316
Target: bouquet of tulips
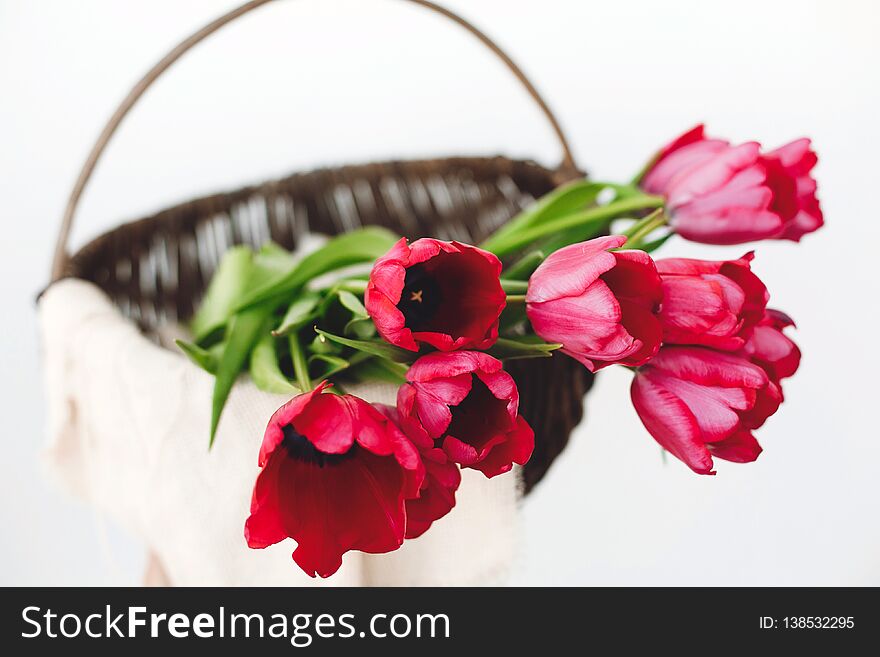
570, 275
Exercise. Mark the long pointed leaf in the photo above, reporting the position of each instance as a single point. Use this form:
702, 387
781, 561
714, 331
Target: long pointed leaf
266, 372
563, 200
243, 332
518, 348
351, 303
226, 289
207, 359
299, 313
376, 348
380, 369
334, 364
364, 245
362, 329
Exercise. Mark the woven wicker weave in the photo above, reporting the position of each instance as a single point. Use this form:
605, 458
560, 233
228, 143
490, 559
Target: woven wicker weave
156, 268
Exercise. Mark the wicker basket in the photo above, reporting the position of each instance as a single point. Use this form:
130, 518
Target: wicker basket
156, 269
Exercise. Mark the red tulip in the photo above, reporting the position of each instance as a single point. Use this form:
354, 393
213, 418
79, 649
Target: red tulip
718, 193
711, 303
436, 497
699, 403
468, 406
335, 477
770, 348
600, 305
445, 294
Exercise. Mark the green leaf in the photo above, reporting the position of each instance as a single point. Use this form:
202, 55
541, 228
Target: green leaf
270, 263
276, 255
207, 359
380, 369
333, 364
243, 332
517, 348
364, 245
363, 329
321, 345
240, 270
352, 303
562, 201
376, 348
300, 362
523, 268
591, 221
226, 289
266, 372
299, 313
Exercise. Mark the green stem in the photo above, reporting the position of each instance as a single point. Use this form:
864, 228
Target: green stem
300, 364
524, 267
514, 287
516, 298
644, 227
596, 217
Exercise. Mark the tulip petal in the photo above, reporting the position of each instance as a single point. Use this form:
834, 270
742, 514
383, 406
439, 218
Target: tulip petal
730, 226
715, 408
274, 435
671, 423
355, 505
741, 447
264, 527
706, 176
328, 424
680, 157
708, 367
517, 449
767, 401
436, 498
634, 277
644, 325
774, 351
572, 269
433, 366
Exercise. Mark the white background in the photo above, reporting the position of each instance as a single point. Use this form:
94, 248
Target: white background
309, 83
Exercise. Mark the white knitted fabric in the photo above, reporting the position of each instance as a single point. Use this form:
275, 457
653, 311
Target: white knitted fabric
128, 424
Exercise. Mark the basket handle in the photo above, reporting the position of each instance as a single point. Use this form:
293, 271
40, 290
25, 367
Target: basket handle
61, 257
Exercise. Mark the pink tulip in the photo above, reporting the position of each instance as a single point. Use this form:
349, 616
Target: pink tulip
699, 403
711, 303
718, 193
600, 305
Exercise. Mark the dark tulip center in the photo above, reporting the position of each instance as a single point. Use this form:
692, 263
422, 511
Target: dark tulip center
300, 448
420, 299
479, 416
